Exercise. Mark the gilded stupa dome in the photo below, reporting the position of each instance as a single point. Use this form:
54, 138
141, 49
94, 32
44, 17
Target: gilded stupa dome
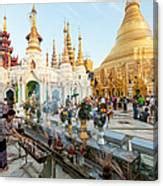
134, 33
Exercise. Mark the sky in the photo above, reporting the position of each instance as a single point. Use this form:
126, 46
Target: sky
97, 22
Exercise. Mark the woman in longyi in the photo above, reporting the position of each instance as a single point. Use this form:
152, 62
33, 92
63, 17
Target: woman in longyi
7, 129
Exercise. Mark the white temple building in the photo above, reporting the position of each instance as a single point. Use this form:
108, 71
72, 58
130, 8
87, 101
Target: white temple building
48, 80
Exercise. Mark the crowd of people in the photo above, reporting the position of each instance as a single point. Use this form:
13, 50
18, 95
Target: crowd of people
145, 109
103, 108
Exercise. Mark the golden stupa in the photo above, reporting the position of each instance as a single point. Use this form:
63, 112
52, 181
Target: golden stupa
34, 39
130, 64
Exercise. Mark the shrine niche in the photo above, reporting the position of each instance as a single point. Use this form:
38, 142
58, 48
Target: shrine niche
33, 90
10, 96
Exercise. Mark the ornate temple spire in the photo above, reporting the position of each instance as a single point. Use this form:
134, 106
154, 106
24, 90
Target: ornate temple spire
65, 28
34, 38
73, 59
65, 57
60, 60
47, 59
5, 24
80, 60
69, 44
54, 61
6, 50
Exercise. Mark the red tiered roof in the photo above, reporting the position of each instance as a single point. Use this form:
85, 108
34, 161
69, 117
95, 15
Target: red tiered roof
6, 50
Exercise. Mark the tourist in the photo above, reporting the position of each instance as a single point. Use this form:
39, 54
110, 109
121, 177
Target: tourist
1, 109
70, 115
68, 101
152, 105
109, 114
7, 128
114, 100
135, 109
141, 101
120, 100
125, 102
5, 108
144, 116
147, 100
102, 100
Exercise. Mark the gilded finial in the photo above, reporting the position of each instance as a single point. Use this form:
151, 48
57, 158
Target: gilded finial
73, 59
65, 27
69, 44
65, 55
128, 2
5, 24
53, 44
54, 55
80, 37
33, 9
47, 59
60, 59
80, 60
33, 16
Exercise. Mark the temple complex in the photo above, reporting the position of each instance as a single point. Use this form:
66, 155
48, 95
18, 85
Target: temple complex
46, 79
129, 66
60, 118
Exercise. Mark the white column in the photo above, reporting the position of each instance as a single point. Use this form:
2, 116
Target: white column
19, 93
41, 93
23, 92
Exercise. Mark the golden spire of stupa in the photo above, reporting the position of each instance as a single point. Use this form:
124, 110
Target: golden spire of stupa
65, 28
132, 1
80, 60
54, 55
65, 57
69, 45
5, 24
34, 38
134, 32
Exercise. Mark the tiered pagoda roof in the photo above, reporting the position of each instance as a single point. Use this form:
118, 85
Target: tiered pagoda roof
6, 50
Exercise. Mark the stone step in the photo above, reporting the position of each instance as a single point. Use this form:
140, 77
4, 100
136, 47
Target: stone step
30, 170
19, 173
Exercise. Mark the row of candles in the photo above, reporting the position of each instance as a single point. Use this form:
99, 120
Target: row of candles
75, 155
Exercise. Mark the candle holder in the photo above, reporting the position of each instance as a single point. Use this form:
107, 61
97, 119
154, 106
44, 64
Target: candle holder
101, 140
83, 131
70, 129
